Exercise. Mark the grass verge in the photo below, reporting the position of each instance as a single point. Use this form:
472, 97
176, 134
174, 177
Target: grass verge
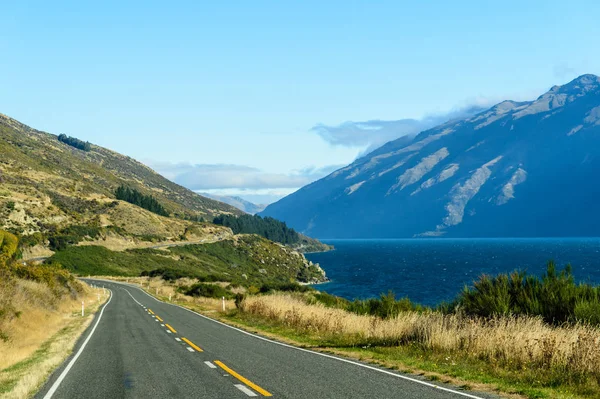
40, 340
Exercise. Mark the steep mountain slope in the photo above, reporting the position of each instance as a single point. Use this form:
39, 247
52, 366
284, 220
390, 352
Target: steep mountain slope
32, 156
47, 186
237, 202
517, 169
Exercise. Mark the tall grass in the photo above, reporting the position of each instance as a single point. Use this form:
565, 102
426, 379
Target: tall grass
517, 342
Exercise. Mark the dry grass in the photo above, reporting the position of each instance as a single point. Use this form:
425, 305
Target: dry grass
161, 289
522, 342
42, 336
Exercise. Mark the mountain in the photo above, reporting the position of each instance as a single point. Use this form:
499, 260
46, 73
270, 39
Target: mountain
237, 202
518, 169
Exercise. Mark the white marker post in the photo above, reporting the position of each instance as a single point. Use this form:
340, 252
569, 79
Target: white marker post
82, 307
169, 297
223, 304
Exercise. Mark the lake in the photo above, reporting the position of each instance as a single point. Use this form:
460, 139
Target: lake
429, 271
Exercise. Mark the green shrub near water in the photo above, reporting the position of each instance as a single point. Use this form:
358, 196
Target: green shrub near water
555, 296
386, 306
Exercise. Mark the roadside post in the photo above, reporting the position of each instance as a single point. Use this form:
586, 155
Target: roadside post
82, 307
223, 304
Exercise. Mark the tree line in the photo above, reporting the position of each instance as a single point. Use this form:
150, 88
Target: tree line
134, 197
74, 142
267, 227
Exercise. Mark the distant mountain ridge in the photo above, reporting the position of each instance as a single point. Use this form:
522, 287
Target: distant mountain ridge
237, 202
516, 169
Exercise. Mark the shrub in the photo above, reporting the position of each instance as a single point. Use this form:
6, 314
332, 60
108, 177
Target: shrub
135, 197
74, 142
208, 290
555, 296
287, 287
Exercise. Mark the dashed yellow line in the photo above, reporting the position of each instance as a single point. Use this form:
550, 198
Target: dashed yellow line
159, 319
150, 311
244, 380
190, 343
170, 328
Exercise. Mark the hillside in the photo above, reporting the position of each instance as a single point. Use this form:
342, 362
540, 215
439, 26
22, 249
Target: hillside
519, 169
47, 186
31, 157
83, 205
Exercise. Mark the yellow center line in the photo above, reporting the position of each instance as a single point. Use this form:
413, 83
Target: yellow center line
244, 380
159, 319
150, 310
170, 328
190, 343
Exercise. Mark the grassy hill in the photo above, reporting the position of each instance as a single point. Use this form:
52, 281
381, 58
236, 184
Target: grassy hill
47, 185
98, 212
37, 164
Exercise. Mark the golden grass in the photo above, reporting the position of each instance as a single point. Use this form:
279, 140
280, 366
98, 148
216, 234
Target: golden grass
519, 341
161, 289
43, 334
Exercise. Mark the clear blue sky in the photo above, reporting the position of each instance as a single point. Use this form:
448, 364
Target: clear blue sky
223, 96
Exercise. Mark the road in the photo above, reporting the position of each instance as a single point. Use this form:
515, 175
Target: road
139, 347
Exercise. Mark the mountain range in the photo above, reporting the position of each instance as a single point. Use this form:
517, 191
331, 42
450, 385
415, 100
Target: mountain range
518, 169
238, 202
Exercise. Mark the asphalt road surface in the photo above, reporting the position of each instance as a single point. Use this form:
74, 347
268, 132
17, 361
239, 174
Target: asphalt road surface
139, 347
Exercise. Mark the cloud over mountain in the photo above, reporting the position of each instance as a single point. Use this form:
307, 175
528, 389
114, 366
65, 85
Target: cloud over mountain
223, 176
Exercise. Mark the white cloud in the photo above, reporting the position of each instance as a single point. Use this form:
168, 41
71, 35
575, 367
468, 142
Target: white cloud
374, 133
222, 177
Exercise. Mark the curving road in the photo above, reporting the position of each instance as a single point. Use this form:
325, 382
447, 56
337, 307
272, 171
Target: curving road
139, 347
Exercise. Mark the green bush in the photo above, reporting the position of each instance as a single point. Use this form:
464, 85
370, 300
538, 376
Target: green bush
287, 287
555, 296
208, 290
588, 311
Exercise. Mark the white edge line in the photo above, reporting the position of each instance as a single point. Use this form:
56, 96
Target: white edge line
244, 389
190, 349
464, 394
62, 376
178, 339
209, 364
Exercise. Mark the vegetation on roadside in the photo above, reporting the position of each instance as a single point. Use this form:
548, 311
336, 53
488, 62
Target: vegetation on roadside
555, 296
54, 279
40, 319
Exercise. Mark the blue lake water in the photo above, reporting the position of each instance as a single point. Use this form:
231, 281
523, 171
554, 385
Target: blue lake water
429, 271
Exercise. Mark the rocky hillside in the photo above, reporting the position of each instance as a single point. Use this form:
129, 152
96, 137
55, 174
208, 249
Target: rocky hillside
50, 190
517, 169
